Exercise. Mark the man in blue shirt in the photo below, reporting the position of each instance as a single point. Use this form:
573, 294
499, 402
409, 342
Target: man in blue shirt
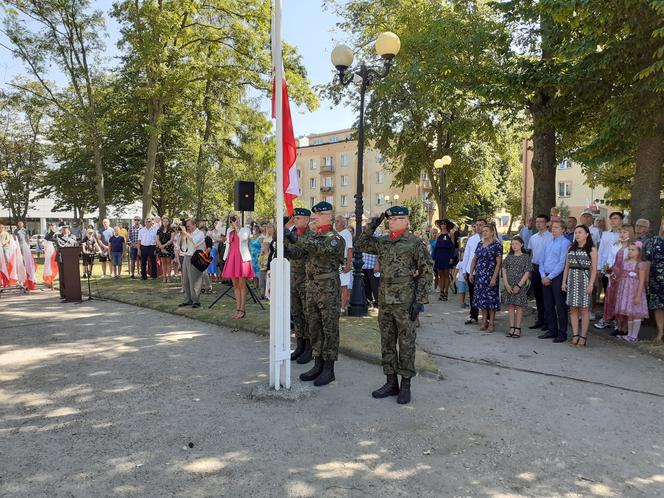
551, 272
527, 231
536, 245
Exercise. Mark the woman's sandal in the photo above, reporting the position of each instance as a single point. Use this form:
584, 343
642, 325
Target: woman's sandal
515, 335
444, 296
484, 326
585, 340
573, 343
510, 333
244, 313
490, 327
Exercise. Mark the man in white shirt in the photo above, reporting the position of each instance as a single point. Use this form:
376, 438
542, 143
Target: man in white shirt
346, 271
536, 248
191, 240
468, 254
103, 238
147, 245
588, 220
607, 255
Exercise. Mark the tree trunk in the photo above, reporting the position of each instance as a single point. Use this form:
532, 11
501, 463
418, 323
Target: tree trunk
155, 107
647, 184
99, 179
544, 167
201, 160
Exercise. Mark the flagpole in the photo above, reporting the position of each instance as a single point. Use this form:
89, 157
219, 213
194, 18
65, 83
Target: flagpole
279, 267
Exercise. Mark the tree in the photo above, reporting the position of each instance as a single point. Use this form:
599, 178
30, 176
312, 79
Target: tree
22, 151
66, 33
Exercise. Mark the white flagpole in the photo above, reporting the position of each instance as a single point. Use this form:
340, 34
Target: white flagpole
279, 267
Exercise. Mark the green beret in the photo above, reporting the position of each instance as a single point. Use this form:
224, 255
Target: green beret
301, 212
396, 211
322, 206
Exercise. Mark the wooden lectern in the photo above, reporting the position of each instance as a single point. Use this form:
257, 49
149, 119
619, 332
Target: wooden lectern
69, 272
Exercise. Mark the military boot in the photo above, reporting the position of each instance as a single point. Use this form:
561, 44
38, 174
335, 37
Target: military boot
307, 353
390, 388
299, 349
404, 391
315, 371
327, 375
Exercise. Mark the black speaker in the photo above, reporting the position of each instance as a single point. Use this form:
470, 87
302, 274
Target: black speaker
244, 195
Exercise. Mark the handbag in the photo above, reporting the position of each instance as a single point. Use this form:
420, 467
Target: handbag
201, 260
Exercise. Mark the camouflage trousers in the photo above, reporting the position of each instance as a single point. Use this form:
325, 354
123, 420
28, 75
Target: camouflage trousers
322, 303
298, 311
396, 327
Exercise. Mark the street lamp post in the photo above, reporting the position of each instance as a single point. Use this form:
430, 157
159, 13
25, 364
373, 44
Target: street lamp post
395, 198
440, 164
387, 46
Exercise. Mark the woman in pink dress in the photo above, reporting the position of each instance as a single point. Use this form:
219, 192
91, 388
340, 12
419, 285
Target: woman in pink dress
237, 264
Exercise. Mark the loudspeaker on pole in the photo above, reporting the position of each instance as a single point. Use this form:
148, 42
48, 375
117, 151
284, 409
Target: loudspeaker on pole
243, 196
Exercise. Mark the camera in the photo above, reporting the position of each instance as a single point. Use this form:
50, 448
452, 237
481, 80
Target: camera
232, 219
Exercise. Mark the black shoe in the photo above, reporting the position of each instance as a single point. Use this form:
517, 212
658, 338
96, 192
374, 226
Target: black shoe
307, 354
314, 372
404, 391
182, 305
390, 388
548, 335
133, 276
470, 321
536, 326
144, 278
327, 375
558, 340
299, 349
196, 305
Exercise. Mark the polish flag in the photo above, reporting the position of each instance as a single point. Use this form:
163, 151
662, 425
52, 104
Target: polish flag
291, 184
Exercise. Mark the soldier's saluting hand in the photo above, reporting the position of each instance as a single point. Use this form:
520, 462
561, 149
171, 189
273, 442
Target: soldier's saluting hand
406, 274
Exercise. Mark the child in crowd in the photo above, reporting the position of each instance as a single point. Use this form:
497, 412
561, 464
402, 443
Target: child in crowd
462, 286
631, 294
262, 264
516, 279
555, 214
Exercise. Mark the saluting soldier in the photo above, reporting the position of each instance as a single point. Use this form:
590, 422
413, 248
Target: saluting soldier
324, 250
303, 350
406, 273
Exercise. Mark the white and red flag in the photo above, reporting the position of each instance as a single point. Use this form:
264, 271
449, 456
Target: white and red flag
291, 184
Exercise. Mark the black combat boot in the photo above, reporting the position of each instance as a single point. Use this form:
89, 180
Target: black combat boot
299, 349
404, 391
327, 375
315, 371
390, 388
307, 353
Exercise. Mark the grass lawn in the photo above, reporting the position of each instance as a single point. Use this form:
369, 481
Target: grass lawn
359, 337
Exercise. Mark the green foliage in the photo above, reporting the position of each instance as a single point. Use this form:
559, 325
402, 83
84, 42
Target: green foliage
417, 214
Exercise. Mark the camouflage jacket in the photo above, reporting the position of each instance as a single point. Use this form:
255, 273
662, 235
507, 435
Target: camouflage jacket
401, 260
323, 252
298, 264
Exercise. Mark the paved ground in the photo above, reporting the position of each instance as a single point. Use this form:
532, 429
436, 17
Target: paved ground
107, 403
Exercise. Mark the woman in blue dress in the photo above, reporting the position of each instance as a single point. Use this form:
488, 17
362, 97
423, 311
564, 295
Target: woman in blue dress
443, 256
484, 272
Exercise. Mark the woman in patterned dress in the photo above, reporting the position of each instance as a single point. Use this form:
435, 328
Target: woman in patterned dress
484, 271
579, 280
516, 273
165, 247
654, 254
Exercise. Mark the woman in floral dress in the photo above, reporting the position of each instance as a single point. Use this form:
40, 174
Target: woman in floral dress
654, 254
484, 271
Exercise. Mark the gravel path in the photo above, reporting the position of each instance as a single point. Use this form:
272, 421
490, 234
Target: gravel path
107, 399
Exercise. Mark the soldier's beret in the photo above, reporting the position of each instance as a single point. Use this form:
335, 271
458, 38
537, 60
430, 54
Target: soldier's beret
63, 225
301, 212
397, 211
322, 206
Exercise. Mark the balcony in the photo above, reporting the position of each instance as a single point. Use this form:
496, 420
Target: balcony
327, 190
327, 169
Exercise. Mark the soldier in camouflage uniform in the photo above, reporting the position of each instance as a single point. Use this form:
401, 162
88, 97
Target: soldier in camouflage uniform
324, 252
406, 272
303, 351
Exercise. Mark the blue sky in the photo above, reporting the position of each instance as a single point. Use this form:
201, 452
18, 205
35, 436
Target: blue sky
306, 25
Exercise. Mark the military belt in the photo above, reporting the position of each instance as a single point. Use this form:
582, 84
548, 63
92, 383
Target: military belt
397, 280
323, 276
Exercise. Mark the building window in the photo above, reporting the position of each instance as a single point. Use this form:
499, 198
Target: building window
327, 181
312, 201
344, 180
344, 200
380, 177
329, 199
299, 173
565, 164
312, 164
312, 183
379, 199
343, 160
379, 157
327, 161
564, 189
425, 176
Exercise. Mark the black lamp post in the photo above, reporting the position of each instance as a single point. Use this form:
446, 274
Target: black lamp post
440, 164
387, 46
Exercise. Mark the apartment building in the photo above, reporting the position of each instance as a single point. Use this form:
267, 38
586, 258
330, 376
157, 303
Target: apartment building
327, 170
572, 189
